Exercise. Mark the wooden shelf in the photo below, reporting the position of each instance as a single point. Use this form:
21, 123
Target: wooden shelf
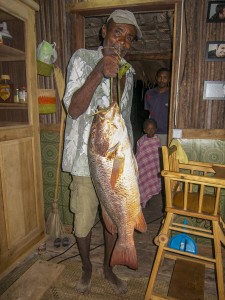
10, 54
20, 147
8, 124
13, 106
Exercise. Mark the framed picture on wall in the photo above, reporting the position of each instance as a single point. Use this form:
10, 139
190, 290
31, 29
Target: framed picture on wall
216, 11
215, 51
214, 90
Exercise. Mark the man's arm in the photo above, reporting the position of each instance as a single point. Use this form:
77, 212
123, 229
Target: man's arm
106, 67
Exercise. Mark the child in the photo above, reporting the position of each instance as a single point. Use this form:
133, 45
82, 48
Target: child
148, 161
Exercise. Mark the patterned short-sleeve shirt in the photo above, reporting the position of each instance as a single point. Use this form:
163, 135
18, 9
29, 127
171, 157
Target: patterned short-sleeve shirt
77, 131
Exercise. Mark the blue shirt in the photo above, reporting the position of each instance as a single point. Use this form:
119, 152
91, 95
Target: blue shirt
158, 106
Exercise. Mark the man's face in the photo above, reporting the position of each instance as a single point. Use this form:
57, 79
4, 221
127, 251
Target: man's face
163, 79
220, 50
119, 36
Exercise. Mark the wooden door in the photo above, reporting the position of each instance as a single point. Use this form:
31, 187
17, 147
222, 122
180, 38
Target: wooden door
21, 193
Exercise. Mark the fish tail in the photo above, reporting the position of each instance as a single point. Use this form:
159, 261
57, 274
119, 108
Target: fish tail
126, 256
140, 223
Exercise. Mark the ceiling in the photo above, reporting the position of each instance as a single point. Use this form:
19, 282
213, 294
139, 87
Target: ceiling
150, 53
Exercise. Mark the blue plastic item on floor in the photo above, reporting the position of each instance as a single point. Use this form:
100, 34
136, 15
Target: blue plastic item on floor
183, 242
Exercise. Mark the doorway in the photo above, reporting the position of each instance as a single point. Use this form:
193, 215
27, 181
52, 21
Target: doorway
159, 48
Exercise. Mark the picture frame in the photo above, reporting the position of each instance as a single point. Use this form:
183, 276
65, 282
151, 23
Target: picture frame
216, 12
215, 51
214, 90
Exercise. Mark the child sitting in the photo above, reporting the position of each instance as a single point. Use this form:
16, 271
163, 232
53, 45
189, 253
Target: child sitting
148, 161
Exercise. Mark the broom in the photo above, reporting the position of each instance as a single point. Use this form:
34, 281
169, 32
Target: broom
54, 226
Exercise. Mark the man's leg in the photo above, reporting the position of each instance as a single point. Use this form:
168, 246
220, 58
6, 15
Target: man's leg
84, 249
119, 286
83, 204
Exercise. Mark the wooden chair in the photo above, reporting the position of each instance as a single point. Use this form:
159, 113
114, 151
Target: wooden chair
192, 190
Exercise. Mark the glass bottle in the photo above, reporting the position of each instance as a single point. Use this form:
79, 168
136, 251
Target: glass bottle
16, 96
6, 89
23, 94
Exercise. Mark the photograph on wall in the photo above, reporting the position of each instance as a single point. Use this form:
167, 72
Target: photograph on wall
214, 90
215, 51
216, 11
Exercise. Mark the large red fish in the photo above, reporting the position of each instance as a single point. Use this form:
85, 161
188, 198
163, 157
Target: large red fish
114, 173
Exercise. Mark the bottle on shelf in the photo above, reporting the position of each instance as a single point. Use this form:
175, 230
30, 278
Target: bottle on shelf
16, 98
6, 89
23, 94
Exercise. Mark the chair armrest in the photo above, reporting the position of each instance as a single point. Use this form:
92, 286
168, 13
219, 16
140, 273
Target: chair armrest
195, 179
197, 166
200, 163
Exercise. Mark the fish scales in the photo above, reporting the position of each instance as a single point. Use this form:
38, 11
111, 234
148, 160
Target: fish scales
113, 170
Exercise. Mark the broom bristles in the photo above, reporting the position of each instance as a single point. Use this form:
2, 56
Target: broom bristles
54, 226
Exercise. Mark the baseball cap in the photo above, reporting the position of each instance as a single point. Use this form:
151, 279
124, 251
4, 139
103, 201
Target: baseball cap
125, 17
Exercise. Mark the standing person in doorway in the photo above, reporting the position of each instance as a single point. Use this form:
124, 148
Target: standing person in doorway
157, 103
88, 86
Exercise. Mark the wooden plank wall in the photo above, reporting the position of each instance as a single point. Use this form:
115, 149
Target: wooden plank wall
51, 27
194, 112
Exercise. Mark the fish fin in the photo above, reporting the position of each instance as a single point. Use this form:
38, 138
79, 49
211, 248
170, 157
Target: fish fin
117, 170
140, 223
135, 164
110, 226
112, 152
126, 256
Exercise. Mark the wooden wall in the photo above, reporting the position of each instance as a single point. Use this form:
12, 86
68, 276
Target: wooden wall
51, 27
192, 111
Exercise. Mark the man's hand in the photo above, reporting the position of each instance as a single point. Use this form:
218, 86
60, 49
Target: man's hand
107, 67
109, 64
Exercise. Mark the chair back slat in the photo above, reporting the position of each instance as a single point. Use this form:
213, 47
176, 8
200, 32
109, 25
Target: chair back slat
185, 195
218, 193
200, 199
170, 163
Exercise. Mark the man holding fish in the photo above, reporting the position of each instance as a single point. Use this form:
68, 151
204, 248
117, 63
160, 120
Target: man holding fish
101, 79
